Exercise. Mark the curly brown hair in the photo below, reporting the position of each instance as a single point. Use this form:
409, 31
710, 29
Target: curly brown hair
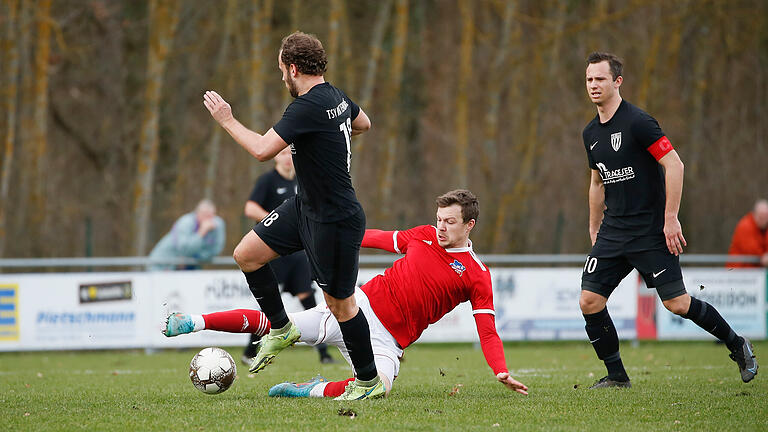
470, 208
305, 51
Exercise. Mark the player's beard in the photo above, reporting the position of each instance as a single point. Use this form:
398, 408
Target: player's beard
291, 84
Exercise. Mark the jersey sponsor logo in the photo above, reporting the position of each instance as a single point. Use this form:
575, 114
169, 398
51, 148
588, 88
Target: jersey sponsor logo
457, 267
616, 141
339, 110
427, 242
593, 145
282, 190
615, 176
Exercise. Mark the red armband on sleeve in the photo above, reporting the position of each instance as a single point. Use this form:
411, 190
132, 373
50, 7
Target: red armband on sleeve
660, 148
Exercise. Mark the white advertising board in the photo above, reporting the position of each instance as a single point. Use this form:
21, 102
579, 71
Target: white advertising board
737, 294
543, 304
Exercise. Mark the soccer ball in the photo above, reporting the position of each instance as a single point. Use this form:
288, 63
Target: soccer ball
212, 370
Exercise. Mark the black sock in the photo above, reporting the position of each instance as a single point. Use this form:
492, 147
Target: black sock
323, 350
309, 302
263, 285
707, 317
604, 339
357, 338
251, 349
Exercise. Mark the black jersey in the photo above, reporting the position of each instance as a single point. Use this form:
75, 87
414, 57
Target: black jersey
625, 150
318, 126
272, 189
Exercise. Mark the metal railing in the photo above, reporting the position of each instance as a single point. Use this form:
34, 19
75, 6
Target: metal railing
365, 260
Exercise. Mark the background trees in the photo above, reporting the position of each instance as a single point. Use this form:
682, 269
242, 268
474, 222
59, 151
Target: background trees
483, 94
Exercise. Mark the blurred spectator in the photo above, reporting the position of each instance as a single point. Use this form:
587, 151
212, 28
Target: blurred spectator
751, 236
199, 235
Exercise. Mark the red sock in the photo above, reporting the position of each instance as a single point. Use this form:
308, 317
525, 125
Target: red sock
238, 321
335, 388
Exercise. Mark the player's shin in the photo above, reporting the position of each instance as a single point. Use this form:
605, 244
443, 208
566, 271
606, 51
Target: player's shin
605, 340
707, 317
263, 285
357, 339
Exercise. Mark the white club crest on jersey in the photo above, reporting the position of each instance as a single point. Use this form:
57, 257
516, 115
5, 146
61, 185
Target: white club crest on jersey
616, 141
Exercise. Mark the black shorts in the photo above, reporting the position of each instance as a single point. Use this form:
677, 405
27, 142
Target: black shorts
612, 260
292, 272
333, 248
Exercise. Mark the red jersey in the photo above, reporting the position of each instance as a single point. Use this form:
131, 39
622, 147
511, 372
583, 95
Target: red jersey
429, 282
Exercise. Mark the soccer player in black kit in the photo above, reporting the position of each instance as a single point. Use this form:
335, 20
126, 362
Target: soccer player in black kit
292, 271
324, 218
634, 198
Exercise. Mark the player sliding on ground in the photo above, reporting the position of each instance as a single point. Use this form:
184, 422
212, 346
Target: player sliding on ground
439, 271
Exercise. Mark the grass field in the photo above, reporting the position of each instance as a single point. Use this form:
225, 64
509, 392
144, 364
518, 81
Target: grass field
689, 386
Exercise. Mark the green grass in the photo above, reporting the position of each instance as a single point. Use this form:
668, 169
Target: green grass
689, 386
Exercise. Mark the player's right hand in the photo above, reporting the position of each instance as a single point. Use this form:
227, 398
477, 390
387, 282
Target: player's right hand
512, 383
217, 106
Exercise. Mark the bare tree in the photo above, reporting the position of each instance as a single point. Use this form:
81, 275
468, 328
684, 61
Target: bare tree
163, 18
11, 58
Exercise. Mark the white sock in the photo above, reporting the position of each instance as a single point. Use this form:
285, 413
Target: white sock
199, 322
318, 390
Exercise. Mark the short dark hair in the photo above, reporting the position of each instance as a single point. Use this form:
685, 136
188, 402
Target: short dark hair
305, 51
614, 62
470, 208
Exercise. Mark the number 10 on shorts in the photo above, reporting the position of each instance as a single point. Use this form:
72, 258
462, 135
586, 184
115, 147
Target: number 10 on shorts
590, 265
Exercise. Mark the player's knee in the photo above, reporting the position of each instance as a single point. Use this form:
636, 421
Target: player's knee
677, 305
590, 302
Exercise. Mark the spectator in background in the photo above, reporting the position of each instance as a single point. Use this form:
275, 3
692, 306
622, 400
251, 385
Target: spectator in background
751, 236
199, 235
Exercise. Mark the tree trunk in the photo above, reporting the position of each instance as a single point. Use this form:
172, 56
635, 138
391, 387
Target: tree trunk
214, 145
40, 125
374, 55
11, 59
163, 17
396, 77
466, 9
261, 56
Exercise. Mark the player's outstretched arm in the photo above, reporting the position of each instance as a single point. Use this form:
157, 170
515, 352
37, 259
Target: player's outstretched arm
512, 383
361, 123
673, 178
262, 147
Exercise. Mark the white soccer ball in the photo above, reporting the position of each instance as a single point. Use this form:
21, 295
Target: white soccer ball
212, 370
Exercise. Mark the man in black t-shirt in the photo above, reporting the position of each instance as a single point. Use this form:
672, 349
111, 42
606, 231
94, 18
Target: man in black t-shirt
324, 218
292, 271
634, 198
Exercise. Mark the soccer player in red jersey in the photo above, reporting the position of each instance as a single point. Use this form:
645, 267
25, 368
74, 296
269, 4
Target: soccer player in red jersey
439, 271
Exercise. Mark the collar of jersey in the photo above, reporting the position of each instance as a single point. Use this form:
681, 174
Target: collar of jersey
461, 249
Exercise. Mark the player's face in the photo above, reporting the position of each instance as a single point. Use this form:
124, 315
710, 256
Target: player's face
601, 86
290, 83
452, 231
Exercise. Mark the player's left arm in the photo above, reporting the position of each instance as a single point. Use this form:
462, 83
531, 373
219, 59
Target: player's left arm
262, 147
481, 299
493, 350
673, 178
361, 123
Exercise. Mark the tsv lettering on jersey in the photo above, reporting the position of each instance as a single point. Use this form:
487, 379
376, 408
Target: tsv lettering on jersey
339, 110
